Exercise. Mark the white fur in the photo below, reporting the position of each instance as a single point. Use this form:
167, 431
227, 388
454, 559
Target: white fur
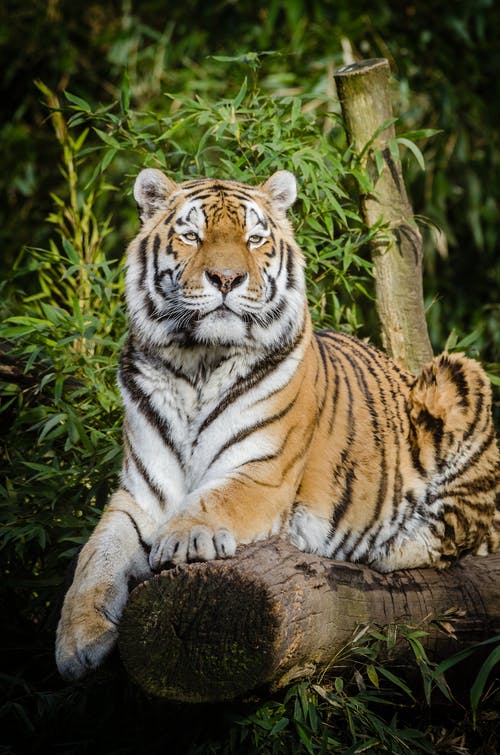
282, 187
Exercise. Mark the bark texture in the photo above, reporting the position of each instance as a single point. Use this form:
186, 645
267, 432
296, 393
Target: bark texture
364, 94
213, 631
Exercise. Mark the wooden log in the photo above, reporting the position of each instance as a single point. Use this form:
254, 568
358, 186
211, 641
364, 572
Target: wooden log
364, 94
214, 631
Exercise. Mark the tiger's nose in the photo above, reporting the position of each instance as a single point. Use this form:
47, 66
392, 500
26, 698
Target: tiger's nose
225, 280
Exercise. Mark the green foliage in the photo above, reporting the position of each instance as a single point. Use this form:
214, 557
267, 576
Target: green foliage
482, 687
365, 702
62, 407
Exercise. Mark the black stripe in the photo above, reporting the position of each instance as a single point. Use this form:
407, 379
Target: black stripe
472, 459
272, 283
349, 477
368, 396
375, 361
157, 278
473, 507
433, 426
327, 357
272, 253
372, 360
271, 457
247, 431
163, 365
459, 380
477, 414
272, 315
143, 244
291, 281
169, 218
302, 451
273, 485
128, 372
282, 254
480, 485
157, 492
260, 371
144, 545
326, 378
380, 358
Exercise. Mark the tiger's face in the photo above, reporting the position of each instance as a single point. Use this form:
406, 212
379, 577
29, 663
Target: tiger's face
215, 263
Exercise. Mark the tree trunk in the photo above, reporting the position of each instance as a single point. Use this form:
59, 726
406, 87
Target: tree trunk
363, 90
213, 631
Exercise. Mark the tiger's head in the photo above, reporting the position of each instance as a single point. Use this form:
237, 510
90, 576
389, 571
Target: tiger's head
215, 263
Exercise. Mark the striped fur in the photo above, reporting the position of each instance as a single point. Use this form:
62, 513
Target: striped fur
240, 422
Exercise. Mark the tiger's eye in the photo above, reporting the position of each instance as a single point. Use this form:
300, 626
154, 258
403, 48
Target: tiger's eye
255, 239
190, 236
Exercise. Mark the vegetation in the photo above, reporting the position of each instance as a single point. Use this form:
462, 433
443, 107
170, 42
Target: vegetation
238, 91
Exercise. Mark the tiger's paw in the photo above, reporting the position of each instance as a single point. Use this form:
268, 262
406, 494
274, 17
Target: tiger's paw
88, 629
183, 540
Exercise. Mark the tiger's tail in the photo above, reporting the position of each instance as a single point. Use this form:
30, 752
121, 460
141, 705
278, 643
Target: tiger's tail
453, 437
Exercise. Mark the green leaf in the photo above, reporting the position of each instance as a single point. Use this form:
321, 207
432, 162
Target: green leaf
71, 252
379, 161
108, 157
279, 726
372, 675
481, 679
107, 138
241, 95
125, 93
414, 149
304, 737
385, 125
78, 101
56, 420
422, 133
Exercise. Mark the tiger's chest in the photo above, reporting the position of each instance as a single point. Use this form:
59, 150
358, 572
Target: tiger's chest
183, 433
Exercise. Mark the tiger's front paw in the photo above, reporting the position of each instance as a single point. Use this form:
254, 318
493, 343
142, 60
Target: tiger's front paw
184, 540
88, 628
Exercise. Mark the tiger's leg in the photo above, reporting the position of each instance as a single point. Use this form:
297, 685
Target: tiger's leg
219, 518
116, 553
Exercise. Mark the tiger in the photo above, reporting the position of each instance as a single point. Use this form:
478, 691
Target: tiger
241, 422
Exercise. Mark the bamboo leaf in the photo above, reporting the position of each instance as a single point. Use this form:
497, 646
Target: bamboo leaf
80, 103
414, 149
481, 680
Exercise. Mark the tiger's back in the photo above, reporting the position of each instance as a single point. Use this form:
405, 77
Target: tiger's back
402, 471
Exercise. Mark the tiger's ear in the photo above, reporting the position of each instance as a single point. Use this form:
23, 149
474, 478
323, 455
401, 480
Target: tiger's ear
151, 191
282, 188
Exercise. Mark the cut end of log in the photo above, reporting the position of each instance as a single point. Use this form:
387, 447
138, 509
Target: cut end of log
177, 621
362, 66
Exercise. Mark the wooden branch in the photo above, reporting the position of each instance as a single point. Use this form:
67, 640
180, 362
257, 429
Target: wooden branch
216, 630
364, 94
